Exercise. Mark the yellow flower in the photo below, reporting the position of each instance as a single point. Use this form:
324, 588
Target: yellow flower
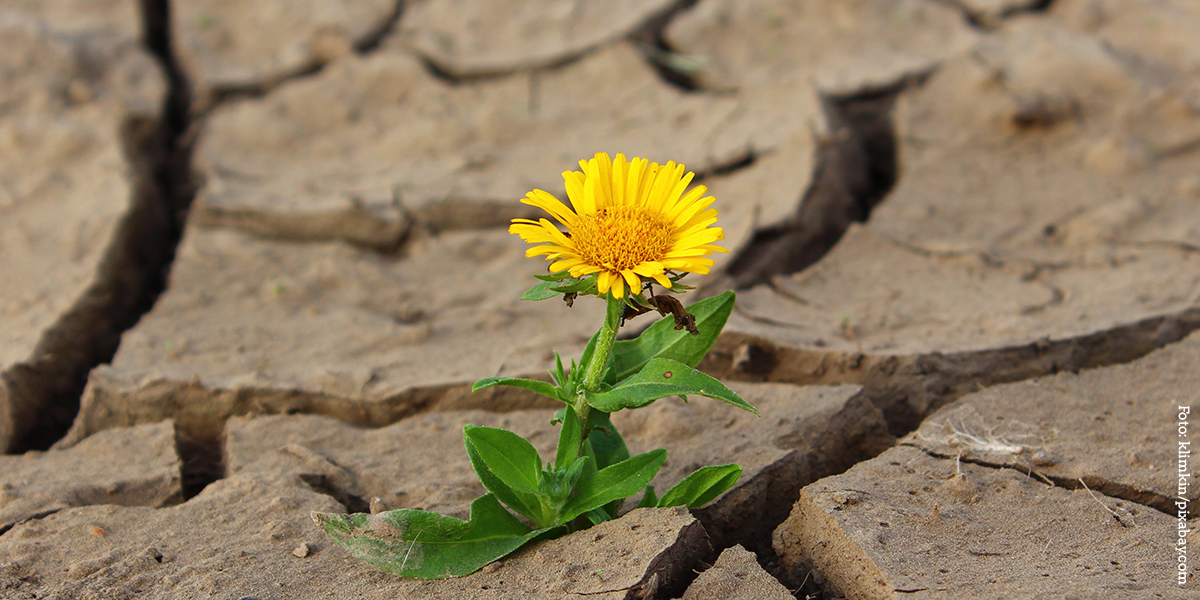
631, 220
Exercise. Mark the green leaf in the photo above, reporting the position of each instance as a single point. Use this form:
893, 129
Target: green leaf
569, 439
555, 276
551, 286
701, 487
598, 516
577, 469
617, 482
662, 340
544, 388
612, 451
607, 445
511, 457
559, 485
649, 500
426, 545
585, 286
509, 467
660, 378
558, 374
541, 291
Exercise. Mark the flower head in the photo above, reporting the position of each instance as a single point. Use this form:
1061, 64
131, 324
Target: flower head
631, 220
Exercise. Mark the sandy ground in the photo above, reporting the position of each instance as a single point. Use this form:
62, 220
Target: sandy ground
254, 254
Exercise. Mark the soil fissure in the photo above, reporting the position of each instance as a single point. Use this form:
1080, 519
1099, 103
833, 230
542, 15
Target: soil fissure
134, 269
854, 171
1098, 485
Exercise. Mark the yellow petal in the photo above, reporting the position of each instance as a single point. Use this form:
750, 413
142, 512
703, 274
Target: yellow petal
581, 270
563, 265
632, 179
534, 234
591, 200
604, 178
519, 228
556, 235
547, 249
686, 214
604, 281
687, 200
686, 253
649, 269
619, 173
700, 221
574, 183
648, 176
680, 185
550, 204
596, 184
618, 285
703, 237
661, 187
688, 264
635, 284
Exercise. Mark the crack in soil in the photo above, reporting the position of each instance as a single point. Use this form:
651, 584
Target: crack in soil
135, 267
648, 36
853, 174
374, 39
449, 214
670, 65
46, 391
370, 43
907, 388
33, 517
777, 487
1092, 483
323, 484
200, 424
855, 169
990, 22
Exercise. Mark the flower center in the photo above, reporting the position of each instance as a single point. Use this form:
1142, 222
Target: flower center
621, 237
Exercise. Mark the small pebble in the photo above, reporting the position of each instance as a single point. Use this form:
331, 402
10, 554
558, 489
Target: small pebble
300, 551
962, 488
1044, 459
847, 497
377, 505
97, 530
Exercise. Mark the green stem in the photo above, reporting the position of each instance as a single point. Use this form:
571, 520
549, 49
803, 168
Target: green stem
593, 376
604, 344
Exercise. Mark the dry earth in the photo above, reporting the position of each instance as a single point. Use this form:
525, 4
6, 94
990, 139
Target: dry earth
254, 254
